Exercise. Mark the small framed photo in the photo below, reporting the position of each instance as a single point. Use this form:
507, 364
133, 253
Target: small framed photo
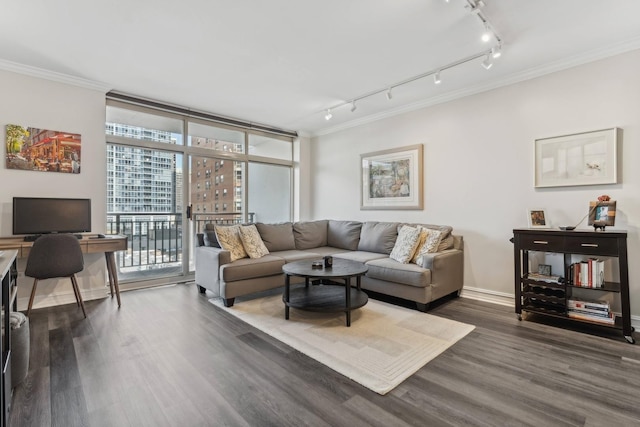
544, 269
537, 218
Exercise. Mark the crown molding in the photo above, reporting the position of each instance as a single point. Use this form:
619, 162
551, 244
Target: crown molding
54, 76
532, 73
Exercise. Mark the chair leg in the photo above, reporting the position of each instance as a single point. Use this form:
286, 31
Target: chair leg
33, 294
74, 282
75, 292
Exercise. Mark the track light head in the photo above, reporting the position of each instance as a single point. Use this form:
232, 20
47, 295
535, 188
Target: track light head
328, 115
436, 78
487, 62
353, 106
496, 51
389, 94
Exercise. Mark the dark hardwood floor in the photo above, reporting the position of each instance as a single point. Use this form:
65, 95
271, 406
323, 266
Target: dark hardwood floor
170, 358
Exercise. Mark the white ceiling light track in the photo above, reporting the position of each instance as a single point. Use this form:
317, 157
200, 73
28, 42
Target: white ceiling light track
488, 34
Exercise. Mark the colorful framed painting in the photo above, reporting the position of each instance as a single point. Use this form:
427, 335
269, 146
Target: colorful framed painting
392, 179
42, 149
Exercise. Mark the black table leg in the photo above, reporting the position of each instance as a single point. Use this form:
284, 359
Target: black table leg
347, 286
286, 297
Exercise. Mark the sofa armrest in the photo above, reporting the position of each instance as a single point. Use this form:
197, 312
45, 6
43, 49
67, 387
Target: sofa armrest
208, 263
447, 269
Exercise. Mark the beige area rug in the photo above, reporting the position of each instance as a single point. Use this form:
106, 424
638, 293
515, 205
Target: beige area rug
384, 345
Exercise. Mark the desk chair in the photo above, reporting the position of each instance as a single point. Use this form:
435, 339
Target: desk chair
55, 255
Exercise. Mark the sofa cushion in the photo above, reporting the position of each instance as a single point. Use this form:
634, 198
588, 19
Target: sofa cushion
360, 256
247, 268
392, 271
296, 255
309, 235
378, 237
277, 237
229, 238
252, 242
430, 245
406, 244
344, 234
209, 236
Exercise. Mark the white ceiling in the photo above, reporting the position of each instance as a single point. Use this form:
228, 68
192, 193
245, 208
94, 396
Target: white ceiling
283, 62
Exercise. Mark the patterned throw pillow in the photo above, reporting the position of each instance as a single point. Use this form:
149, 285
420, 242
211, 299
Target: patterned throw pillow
429, 246
229, 239
252, 241
406, 243
424, 234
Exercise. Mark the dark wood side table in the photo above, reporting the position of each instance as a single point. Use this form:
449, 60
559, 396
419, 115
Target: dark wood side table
609, 244
328, 296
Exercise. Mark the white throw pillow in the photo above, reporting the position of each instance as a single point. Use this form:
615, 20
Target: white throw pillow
229, 239
429, 246
252, 241
406, 243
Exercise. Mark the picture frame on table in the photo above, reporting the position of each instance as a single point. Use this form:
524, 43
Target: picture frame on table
537, 218
602, 214
392, 179
588, 158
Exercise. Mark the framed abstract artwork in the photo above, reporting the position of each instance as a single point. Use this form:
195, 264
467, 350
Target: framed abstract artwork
392, 179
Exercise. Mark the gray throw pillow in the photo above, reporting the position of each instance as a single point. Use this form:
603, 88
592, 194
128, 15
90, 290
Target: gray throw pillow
344, 234
209, 236
309, 235
277, 237
379, 237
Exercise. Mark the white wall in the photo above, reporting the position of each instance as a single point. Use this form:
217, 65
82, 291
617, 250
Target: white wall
478, 163
39, 103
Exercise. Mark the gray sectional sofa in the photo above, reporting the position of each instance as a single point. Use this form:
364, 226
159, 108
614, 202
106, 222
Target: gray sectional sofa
440, 274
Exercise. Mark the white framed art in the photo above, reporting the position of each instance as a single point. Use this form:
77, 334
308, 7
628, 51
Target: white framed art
588, 158
537, 218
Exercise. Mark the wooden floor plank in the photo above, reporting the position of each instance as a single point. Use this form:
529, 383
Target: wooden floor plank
169, 357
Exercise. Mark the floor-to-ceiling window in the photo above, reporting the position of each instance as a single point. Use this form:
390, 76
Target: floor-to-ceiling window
168, 172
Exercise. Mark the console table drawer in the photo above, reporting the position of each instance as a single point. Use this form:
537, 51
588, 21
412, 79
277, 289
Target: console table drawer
542, 243
592, 246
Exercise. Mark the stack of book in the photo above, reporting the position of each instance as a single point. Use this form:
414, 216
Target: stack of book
593, 311
587, 274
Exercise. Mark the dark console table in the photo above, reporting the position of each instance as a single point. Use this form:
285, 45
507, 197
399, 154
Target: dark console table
550, 298
330, 296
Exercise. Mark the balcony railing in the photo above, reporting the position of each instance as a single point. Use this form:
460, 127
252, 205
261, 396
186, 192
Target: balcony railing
155, 239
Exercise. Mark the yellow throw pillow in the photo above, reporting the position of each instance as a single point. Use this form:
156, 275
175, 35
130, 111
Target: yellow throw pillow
252, 242
229, 239
429, 246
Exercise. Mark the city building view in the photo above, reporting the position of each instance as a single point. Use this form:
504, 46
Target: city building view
149, 202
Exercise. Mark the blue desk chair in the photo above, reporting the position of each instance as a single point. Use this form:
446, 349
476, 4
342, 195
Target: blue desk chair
52, 256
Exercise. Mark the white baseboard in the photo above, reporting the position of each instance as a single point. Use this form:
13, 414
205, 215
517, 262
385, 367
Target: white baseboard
61, 298
487, 295
507, 299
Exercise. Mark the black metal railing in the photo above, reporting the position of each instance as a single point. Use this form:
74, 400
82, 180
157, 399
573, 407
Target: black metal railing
155, 239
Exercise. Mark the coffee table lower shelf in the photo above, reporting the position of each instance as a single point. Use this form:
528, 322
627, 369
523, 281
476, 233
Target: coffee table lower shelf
326, 298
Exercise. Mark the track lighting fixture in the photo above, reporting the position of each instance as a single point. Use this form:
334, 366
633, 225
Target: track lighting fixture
487, 56
487, 62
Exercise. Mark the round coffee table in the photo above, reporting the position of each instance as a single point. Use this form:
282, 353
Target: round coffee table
329, 295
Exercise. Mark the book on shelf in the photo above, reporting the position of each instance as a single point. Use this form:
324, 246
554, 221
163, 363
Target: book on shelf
587, 274
594, 305
608, 320
590, 312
